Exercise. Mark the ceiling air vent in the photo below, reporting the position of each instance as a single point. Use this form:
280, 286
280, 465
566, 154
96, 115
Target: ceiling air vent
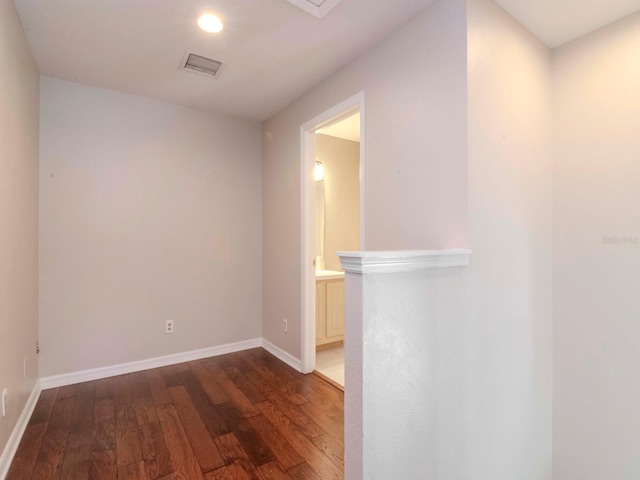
317, 8
200, 64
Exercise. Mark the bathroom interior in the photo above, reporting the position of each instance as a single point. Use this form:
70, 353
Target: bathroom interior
337, 205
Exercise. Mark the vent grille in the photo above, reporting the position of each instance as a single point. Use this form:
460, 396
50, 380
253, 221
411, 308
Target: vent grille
317, 8
200, 64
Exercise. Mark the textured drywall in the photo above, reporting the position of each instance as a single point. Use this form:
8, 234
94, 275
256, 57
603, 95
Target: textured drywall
414, 374
18, 217
597, 255
148, 212
354, 380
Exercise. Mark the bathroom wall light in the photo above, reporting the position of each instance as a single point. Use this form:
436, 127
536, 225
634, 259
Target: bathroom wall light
318, 173
210, 23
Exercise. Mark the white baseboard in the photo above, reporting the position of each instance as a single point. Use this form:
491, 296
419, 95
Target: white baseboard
277, 352
14, 440
114, 370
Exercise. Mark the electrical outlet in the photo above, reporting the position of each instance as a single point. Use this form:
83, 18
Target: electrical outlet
5, 400
26, 361
285, 326
168, 327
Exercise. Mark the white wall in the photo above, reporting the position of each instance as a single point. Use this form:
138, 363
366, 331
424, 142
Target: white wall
596, 301
416, 155
341, 161
18, 217
510, 279
483, 363
413, 349
148, 212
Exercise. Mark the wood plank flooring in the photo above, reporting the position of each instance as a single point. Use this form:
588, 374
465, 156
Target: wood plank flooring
242, 416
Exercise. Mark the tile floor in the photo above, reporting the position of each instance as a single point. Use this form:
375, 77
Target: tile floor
330, 362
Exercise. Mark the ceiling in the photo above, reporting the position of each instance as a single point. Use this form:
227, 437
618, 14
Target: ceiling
347, 129
557, 22
273, 51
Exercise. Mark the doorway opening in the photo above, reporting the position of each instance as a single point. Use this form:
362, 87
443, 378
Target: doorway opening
332, 220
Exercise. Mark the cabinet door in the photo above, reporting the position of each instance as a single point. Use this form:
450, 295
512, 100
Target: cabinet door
335, 308
321, 310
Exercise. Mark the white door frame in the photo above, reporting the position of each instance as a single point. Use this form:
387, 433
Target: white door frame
308, 161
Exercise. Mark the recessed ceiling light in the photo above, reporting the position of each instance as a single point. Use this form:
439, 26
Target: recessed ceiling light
210, 23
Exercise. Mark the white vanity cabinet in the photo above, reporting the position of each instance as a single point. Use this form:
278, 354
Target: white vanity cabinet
329, 310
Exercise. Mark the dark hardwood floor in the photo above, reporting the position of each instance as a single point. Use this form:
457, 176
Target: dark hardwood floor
240, 416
